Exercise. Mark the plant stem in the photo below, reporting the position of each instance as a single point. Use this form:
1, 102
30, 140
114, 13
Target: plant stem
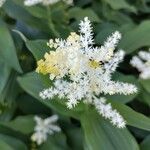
50, 22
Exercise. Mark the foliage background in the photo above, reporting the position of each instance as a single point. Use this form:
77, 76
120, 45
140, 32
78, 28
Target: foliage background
23, 35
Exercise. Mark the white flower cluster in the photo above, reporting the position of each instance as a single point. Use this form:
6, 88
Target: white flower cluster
107, 112
45, 2
2, 2
142, 63
82, 71
43, 128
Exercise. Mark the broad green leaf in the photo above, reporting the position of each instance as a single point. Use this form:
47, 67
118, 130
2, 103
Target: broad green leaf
7, 48
101, 135
132, 117
75, 138
23, 124
144, 96
32, 83
145, 145
14, 143
5, 146
121, 4
36, 11
4, 75
55, 142
146, 84
104, 30
17, 12
26, 102
79, 14
38, 48
136, 38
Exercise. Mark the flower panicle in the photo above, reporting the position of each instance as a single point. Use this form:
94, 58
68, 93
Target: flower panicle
81, 71
105, 109
43, 128
142, 64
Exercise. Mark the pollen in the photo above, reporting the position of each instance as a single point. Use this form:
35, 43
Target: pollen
41, 68
48, 66
94, 64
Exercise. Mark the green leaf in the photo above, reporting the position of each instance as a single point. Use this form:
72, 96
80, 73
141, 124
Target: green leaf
5, 146
121, 4
36, 11
33, 84
75, 138
146, 84
79, 14
23, 124
101, 135
38, 48
132, 117
14, 143
136, 38
4, 75
144, 96
105, 30
145, 145
7, 48
17, 12
26, 102
55, 142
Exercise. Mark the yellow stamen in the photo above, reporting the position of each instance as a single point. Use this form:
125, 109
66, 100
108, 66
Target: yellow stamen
49, 65
94, 64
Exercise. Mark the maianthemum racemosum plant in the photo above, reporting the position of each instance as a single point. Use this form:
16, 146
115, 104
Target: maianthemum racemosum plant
82, 72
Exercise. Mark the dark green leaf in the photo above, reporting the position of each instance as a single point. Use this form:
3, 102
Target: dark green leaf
14, 143
136, 38
100, 134
55, 142
79, 14
121, 4
38, 48
132, 117
145, 145
32, 84
146, 84
7, 48
23, 124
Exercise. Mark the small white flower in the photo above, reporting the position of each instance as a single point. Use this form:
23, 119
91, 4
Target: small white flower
142, 63
2, 2
45, 2
43, 128
88, 69
106, 111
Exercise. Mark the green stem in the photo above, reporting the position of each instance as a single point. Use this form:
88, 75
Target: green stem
50, 22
